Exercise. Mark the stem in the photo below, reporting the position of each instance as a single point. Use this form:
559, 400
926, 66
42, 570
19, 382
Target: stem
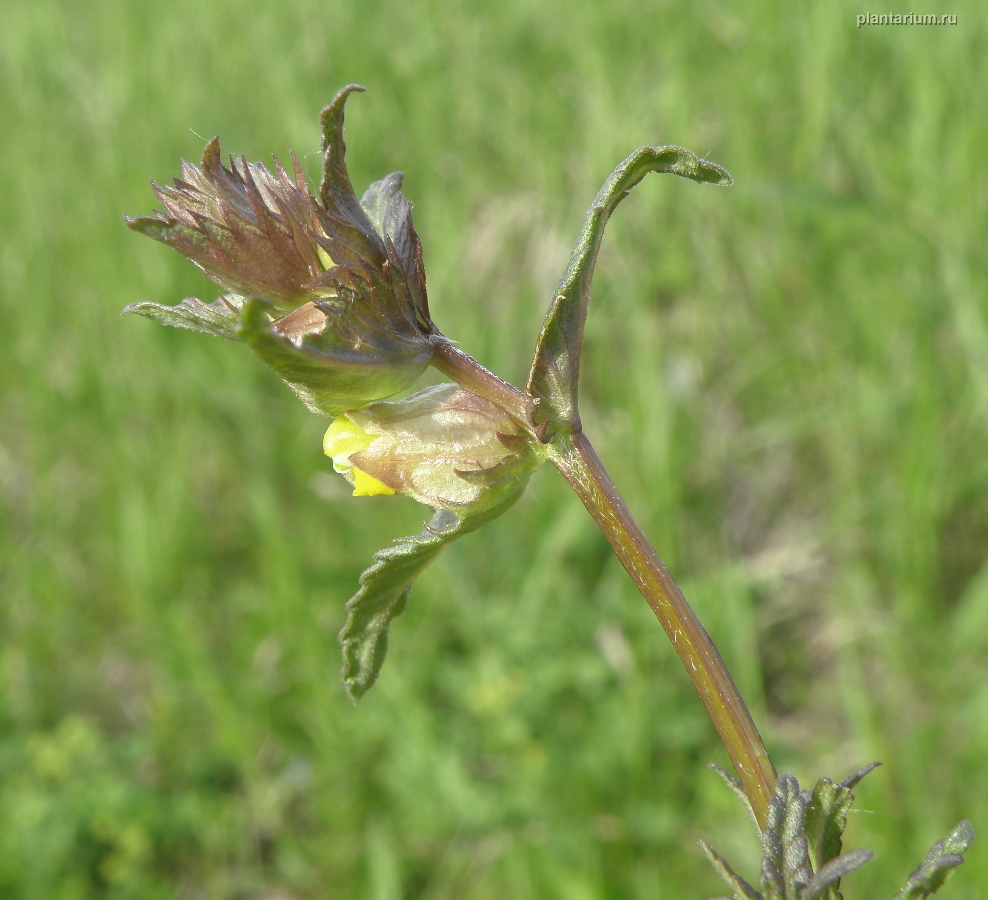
470, 374
576, 459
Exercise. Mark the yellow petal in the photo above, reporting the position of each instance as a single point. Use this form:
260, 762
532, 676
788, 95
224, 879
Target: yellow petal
342, 438
365, 485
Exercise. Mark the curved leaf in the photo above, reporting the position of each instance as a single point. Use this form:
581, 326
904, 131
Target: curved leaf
385, 586
556, 368
940, 862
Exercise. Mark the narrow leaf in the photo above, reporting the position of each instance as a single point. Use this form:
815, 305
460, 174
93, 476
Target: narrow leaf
385, 586
826, 818
742, 890
852, 780
940, 862
834, 871
217, 318
738, 790
556, 368
384, 590
335, 190
785, 862
771, 881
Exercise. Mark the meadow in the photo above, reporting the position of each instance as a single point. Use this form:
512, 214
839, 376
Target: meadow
788, 380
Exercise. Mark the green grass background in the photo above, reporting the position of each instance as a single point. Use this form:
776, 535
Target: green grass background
787, 379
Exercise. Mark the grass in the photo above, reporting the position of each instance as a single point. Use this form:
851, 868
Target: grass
788, 380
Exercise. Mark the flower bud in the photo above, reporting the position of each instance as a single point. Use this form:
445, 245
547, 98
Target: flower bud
444, 446
329, 291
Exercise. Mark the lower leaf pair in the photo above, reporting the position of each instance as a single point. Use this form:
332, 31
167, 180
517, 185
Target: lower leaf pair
802, 841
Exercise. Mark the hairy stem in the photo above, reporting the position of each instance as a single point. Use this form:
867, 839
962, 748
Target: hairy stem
575, 457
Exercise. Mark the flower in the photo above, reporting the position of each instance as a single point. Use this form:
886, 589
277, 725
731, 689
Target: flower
329, 291
445, 446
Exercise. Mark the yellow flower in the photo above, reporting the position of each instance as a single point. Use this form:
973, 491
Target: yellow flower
445, 446
344, 438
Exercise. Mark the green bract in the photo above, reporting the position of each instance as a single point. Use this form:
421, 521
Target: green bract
330, 292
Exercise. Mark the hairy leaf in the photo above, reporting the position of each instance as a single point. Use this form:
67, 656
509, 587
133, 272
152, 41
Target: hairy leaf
218, 318
738, 790
826, 816
830, 875
385, 586
786, 867
556, 368
742, 890
940, 862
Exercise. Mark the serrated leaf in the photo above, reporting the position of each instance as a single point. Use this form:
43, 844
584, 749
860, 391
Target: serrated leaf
940, 862
742, 890
385, 586
218, 318
554, 379
785, 864
826, 818
831, 874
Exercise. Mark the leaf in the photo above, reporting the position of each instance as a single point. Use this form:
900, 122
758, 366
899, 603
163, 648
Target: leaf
335, 190
217, 318
785, 863
742, 890
385, 586
771, 881
554, 379
834, 871
940, 862
852, 780
376, 197
738, 790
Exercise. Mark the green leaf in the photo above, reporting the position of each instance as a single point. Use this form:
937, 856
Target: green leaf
218, 318
940, 862
376, 198
385, 586
742, 890
784, 843
738, 790
383, 593
771, 881
852, 780
335, 190
826, 816
554, 379
830, 875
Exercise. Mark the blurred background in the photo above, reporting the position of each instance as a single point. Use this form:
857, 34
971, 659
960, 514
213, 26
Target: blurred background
788, 380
